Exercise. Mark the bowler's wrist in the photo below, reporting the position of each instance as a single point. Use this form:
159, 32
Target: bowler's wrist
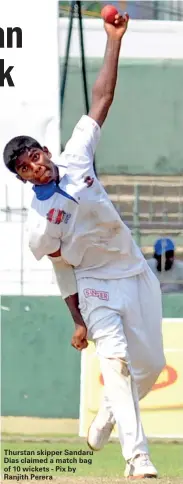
113, 40
73, 305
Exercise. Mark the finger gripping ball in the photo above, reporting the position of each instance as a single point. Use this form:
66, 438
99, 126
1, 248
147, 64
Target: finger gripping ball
108, 13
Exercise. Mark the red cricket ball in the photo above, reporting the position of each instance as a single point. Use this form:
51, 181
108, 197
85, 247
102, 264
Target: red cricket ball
108, 13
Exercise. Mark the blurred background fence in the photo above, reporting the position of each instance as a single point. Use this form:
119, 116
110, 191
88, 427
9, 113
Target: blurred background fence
147, 10
152, 207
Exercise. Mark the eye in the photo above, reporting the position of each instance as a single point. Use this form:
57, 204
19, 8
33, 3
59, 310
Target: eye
24, 168
35, 157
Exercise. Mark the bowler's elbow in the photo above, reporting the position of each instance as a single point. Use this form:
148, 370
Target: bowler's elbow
103, 97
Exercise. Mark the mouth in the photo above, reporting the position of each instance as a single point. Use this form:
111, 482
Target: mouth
45, 176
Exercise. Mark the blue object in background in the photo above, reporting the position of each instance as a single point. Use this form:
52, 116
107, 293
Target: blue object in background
163, 245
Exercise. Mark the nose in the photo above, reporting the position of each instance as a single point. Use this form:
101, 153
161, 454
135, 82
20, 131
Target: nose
35, 168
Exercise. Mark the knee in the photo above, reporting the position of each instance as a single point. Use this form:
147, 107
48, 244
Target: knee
116, 367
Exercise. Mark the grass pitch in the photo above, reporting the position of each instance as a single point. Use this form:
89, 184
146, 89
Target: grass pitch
104, 467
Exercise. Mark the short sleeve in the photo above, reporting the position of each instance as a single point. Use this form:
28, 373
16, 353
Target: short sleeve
41, 242
80, 149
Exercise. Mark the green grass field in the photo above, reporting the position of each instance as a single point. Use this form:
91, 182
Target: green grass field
107, 465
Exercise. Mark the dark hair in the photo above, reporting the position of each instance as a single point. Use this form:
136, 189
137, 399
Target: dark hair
15, 147
169, 254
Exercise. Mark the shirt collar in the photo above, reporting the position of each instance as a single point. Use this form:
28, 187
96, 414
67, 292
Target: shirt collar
44, 192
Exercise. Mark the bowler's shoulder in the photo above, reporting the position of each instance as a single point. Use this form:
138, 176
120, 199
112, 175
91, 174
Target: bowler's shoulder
84, 138
36, 220
43, 236
38, 208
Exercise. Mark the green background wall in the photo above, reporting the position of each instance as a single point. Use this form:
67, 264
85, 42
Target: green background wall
40, 370
144, 131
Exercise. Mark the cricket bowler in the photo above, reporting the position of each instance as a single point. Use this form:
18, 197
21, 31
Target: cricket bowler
113, 296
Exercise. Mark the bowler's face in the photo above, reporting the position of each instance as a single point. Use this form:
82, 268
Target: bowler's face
35, 166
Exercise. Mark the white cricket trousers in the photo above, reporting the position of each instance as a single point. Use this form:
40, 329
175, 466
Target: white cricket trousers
124, 319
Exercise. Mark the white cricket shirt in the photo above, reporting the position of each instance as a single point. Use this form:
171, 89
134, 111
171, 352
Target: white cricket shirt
77, 216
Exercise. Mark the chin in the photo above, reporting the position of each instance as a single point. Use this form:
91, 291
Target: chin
46, 180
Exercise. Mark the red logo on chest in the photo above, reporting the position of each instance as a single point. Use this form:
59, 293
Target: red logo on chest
55, 216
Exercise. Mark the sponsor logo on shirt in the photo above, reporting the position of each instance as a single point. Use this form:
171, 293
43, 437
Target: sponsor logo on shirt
100, 294
56, 216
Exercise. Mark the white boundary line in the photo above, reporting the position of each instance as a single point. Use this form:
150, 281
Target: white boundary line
174, 320
156, 436
172, 350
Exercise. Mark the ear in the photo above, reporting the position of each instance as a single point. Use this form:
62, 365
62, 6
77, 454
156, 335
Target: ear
45, 149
